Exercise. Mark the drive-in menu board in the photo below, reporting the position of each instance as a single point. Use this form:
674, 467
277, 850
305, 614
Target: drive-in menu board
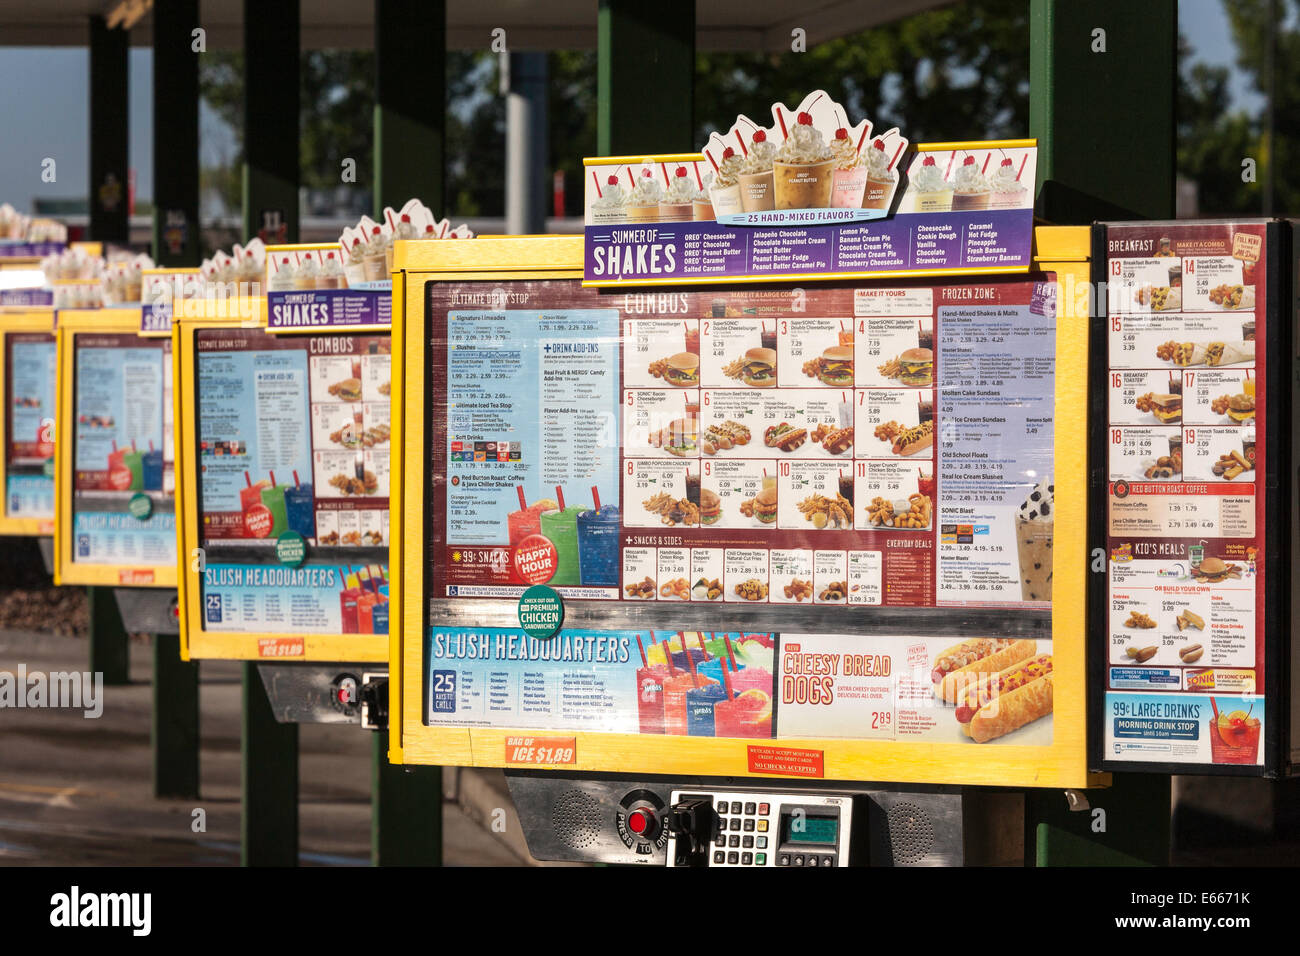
1185, 496
123, 480
293, 439
829, 446
30, 359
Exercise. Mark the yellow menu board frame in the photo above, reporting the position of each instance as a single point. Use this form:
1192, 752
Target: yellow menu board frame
70, 324
1061, 250
196, 643
25, 319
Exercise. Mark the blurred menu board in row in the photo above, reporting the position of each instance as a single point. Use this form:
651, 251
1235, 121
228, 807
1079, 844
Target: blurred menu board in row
124, 482
1185, 456
29, 359
293, 450
829, 446
891, 688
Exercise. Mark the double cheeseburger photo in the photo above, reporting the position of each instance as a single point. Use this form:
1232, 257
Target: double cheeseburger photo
760, 368
917, 367
835, 367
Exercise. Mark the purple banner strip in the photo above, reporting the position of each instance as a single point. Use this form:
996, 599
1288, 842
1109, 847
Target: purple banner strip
25, 297
328, 308
25, 250
689, 252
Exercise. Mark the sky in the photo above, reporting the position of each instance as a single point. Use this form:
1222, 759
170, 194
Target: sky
45, 113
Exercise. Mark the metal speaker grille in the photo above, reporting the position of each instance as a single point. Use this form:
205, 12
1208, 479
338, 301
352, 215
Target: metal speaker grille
911, 834
576, 818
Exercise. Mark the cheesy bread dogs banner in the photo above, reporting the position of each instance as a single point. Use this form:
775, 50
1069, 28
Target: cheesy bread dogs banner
900, 688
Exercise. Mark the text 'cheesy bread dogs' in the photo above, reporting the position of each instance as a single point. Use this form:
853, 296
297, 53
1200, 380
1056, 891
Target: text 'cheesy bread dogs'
986, 688
1013, 710
956, 682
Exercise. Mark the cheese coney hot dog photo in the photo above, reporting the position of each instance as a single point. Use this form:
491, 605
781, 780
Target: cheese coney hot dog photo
981, 697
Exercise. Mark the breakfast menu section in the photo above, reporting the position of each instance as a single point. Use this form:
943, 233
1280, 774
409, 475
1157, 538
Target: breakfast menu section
837, 446
124, 480
293, 445
1185, 505
29, 424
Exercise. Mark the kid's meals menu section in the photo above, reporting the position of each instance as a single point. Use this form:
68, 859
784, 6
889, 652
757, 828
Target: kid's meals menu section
1185, 445
293, 446
834, 446
29, 425
124, 482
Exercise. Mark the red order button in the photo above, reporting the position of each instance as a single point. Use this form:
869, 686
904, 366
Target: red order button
641, 822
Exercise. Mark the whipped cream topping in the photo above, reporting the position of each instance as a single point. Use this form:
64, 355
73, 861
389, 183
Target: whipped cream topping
878, 164
729, 171
803, 146
1003, 179
845, 154
611, 196
930, 179
702, 194
648, 192
971, 180
681, 188
761, 154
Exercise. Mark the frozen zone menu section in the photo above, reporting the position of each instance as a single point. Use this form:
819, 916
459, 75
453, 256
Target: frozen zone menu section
1185, 665
293, 444
834, 446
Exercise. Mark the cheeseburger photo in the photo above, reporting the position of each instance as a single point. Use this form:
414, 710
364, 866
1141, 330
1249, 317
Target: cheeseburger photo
683, 369
918, 367
835, 367
760, 368
710, 507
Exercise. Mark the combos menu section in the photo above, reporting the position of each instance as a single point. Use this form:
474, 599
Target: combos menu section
293, 451
1185, 506
834, 446
123, 480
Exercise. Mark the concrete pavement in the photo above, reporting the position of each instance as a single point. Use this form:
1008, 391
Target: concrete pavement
75, 791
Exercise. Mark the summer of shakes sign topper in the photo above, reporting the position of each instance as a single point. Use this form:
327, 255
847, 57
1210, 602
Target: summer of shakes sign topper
810, 166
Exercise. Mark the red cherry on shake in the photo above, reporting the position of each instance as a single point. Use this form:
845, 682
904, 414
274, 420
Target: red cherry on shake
928, 161
728, 153
805, 119
681, 172
612, 181
1007, 161
646, 173
968, 161
760, 136
841, 133
879, 144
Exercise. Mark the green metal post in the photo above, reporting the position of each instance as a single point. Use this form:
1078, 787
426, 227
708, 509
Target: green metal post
406, 811
410, 102
175, 729
108, 133
176, 240
1102, 81
109, 651
410, 119
639, 44
271, 103
268, 830
1102, 72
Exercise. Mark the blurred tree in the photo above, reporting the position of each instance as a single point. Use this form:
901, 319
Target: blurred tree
1212, 140
957, 73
